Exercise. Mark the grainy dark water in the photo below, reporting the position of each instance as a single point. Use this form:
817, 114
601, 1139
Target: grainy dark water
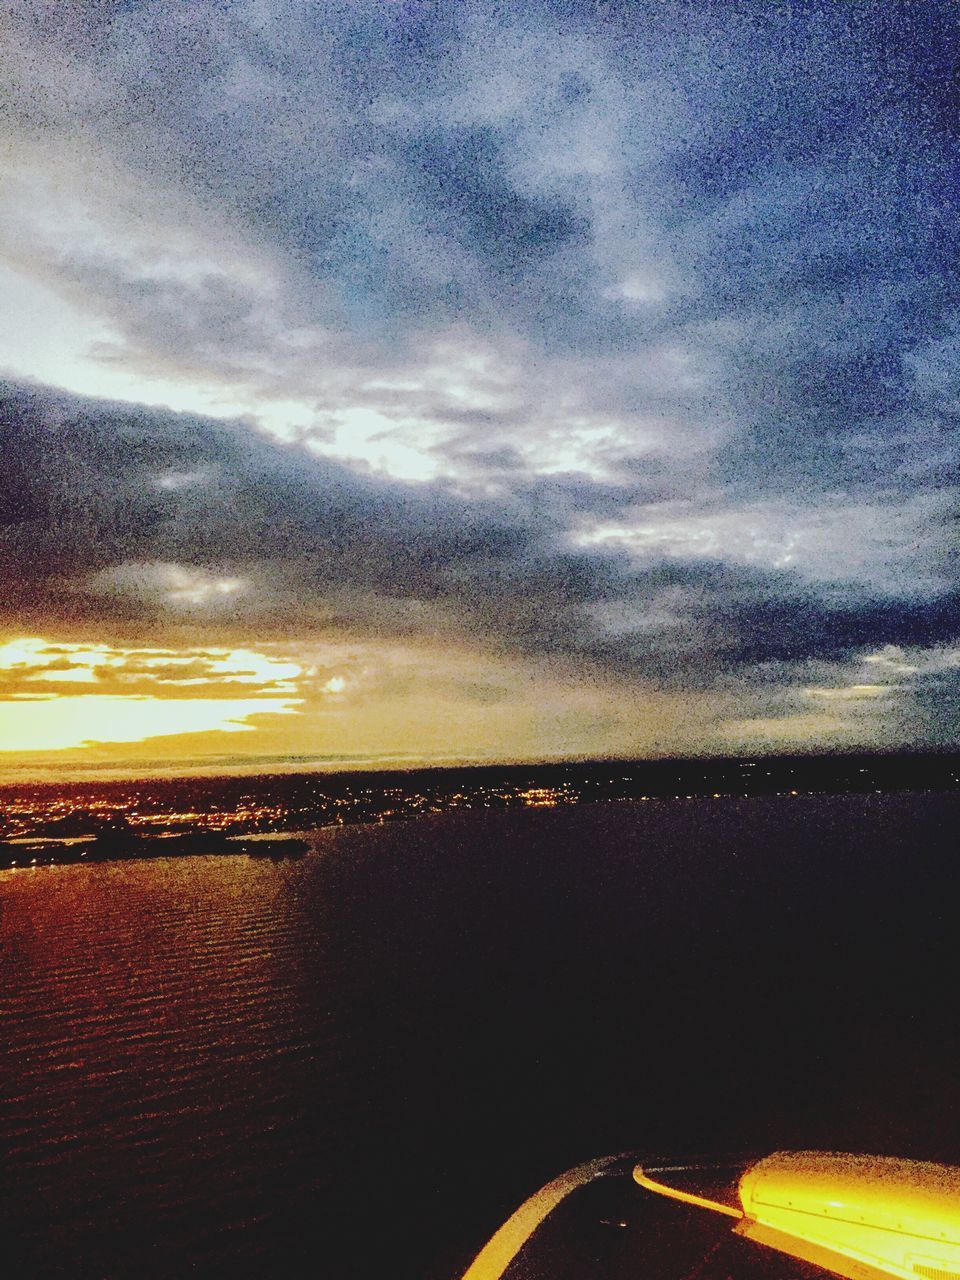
355, 1065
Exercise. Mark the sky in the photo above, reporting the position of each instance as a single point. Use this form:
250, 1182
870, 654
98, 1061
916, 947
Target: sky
405, 382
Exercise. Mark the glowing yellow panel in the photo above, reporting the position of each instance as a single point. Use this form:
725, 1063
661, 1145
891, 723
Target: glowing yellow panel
901, 1217
862, 1217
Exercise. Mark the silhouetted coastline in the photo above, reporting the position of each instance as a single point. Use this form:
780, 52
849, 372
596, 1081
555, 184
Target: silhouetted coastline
96, 822
112, 846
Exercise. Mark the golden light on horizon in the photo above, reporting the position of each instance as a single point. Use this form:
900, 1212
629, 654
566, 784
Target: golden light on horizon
57, 724
68, 705
132, 695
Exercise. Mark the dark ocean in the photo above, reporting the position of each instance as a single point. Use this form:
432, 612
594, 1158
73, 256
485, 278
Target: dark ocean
356, 1064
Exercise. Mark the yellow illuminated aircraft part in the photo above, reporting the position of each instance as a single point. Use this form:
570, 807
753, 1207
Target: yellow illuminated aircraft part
500, 1250
644, 1180
861, 1217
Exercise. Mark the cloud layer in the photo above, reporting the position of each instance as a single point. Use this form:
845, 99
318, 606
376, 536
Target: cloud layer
618, 343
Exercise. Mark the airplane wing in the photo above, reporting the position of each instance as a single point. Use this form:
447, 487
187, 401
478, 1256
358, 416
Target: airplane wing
788, 1216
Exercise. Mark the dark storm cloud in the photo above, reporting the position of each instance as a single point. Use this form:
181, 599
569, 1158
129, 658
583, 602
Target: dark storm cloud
134, 519
96, 486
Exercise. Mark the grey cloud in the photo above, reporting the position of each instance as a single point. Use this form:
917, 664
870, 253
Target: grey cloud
418, 167
90, 509
269, 538
586, 258
464, 177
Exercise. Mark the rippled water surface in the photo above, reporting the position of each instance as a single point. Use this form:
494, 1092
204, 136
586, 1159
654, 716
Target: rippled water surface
356, 1063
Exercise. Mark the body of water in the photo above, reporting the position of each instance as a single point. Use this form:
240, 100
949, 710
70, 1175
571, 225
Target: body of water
356, 1064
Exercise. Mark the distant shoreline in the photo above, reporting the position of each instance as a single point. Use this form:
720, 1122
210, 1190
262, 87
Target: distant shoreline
46, 851
123, 843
